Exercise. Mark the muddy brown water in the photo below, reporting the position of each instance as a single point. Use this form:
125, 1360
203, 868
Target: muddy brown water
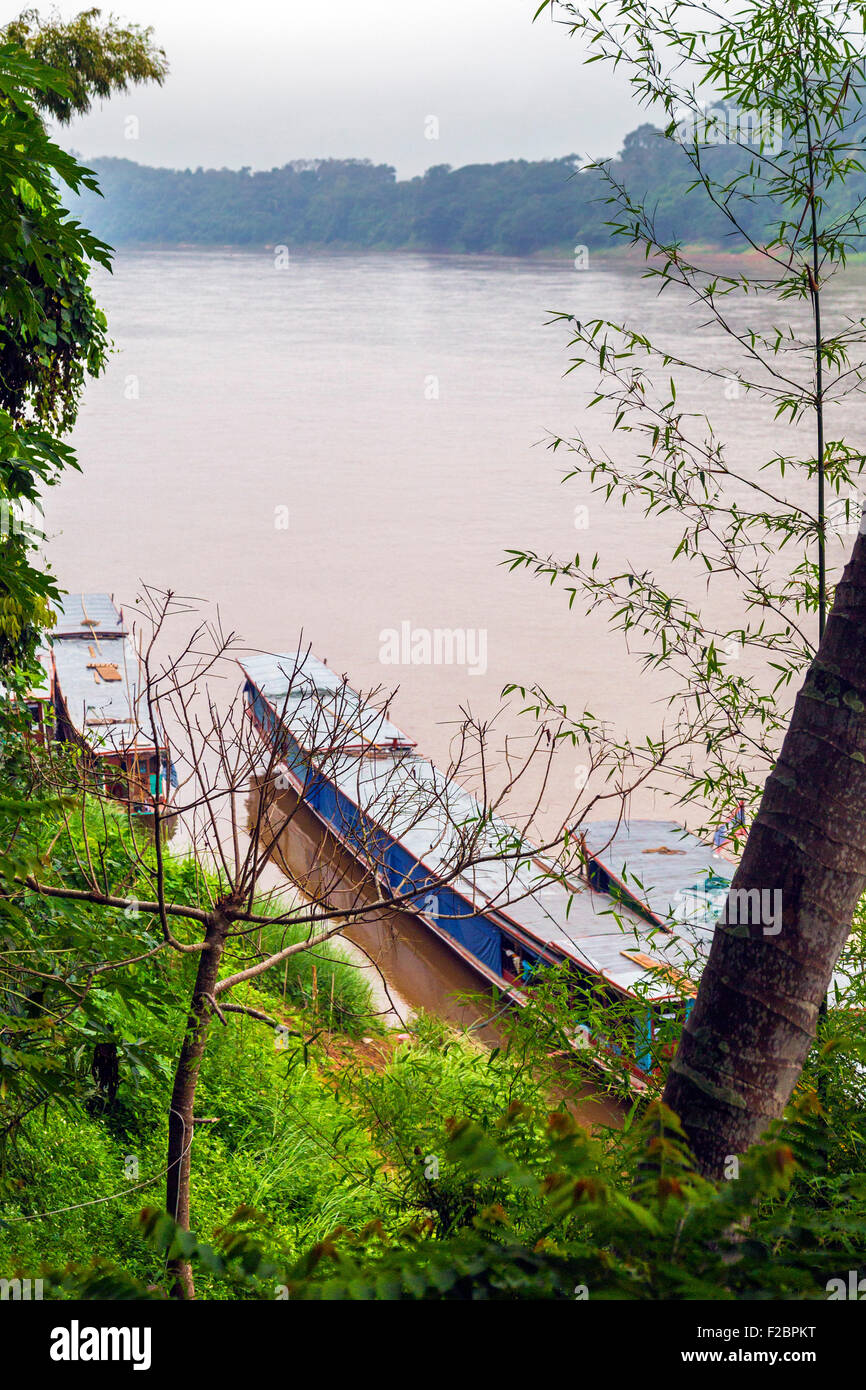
352, 444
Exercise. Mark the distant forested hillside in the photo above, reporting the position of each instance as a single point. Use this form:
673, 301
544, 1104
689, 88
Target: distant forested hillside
515, 208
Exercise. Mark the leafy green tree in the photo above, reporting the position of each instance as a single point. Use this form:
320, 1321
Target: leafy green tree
52, 335
97, 56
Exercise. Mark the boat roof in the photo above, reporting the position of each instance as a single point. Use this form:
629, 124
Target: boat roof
101, 688
310, 691
432, 816
88, 615
605, 937
662, 868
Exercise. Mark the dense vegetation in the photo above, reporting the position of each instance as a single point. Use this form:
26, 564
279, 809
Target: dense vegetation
338, 1159
514, 208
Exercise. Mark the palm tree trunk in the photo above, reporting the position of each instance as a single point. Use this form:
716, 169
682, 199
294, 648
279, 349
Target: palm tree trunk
754, 1018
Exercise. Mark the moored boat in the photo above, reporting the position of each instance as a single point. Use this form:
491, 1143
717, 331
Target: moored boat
99, 704
507, 916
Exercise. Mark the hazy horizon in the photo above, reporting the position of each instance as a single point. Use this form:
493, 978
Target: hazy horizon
300, 158
288, 82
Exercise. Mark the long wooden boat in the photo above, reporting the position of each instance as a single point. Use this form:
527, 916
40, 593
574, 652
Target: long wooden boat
402, 820
97, 694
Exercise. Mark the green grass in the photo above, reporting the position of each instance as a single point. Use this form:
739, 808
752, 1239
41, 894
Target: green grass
309, 1144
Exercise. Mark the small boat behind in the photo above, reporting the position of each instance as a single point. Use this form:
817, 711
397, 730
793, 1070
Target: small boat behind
661, 870
100, 706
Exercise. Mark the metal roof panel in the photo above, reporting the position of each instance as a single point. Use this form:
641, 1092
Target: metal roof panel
85, 614
664, 867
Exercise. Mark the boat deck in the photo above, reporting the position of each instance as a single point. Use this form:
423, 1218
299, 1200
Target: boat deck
397, 793
98, 695
101, 691
661, 868
88, 615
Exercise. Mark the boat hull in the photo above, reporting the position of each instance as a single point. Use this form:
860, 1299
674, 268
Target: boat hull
321, 799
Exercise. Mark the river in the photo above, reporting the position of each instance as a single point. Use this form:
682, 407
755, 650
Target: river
346, 446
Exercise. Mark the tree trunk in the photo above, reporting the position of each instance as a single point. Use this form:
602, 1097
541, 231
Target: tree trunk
790, 907
180, 1120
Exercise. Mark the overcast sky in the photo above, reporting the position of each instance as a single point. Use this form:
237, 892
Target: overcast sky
262, 82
